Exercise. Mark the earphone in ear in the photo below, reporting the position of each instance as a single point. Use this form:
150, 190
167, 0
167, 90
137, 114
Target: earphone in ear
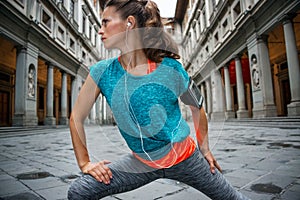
129, 24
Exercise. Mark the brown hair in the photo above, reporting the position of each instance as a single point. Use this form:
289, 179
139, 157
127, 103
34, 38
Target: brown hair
158, 43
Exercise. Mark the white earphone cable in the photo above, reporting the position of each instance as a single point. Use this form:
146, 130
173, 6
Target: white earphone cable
134, 118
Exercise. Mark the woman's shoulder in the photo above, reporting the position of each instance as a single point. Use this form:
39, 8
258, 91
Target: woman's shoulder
105, 63
100, 67
173, 63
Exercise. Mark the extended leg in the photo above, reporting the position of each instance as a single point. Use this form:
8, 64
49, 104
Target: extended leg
195, 172
128, 174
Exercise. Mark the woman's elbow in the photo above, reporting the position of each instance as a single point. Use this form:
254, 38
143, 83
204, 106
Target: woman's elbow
74, 118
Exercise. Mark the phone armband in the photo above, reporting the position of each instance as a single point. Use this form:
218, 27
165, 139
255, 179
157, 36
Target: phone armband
192, 96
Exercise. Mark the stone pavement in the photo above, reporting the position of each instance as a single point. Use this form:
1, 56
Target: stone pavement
261, 162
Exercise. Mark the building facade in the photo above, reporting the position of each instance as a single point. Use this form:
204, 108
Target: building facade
243, 55
47, 47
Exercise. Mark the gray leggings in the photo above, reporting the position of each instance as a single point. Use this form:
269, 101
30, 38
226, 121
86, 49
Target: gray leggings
129, 173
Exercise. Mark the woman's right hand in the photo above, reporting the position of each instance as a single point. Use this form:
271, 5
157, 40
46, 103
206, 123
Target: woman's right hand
98, 170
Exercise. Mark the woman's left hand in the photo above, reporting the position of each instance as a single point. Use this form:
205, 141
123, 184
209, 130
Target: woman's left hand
212, 162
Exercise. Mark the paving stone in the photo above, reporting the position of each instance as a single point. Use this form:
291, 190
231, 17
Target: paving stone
150, 191
4, 177
8, 187
230, 166
109, 198
10, 165
54, 193
295, 188
238, 182
14, 168
58, 172
241, 158
64, 166
288, 170
265, 164
23, 196
248, 174
187, 194
289, 195
275, 179
43, 183
3, 158
257, 196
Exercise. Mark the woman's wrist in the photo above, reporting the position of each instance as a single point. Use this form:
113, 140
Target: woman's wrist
205, 151
83, 166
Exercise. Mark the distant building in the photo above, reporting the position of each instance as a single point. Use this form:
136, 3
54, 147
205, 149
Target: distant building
244, 55
46, 48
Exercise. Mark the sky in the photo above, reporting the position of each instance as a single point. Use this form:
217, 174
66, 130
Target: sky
166, 7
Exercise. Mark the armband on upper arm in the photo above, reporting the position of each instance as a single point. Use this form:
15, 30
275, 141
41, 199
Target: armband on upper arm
192, 96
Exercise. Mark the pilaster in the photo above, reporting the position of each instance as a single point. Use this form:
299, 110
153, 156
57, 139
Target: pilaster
261, 77
26, 86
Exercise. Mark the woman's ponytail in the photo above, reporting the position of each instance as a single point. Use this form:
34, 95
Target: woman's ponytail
158, 43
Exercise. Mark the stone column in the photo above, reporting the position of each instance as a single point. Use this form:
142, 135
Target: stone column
229, 111
293, 67
98, 106
242, 112
209, 11
50, 120
77, 11
74, 91
38, 11
261, 77
101, 108
218, 108
93, 114
104, 113
25, 113
202, 22
203, 94
64, 100
208, 97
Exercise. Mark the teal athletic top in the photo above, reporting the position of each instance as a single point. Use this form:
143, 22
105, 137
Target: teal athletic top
145, 108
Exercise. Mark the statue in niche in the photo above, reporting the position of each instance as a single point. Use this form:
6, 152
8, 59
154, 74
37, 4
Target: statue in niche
31, 80
255, 72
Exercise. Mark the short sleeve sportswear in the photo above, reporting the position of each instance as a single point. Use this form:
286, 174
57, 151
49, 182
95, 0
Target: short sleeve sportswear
145, 108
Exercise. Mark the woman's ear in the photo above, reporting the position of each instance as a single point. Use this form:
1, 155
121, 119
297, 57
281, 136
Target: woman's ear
131, 22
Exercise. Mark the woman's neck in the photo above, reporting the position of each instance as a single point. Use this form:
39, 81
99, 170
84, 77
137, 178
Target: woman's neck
133, 59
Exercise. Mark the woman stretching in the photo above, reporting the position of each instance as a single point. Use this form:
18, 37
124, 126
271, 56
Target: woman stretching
143, 87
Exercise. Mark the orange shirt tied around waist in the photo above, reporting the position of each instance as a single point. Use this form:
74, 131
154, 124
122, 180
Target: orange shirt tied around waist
179, 152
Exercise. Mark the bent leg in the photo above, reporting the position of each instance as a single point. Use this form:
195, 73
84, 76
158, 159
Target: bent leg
195, 171
128, 174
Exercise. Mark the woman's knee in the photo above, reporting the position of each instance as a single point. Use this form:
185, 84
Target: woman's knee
74, 190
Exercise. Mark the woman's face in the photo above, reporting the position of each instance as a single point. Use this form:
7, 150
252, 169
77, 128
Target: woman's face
113, 28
